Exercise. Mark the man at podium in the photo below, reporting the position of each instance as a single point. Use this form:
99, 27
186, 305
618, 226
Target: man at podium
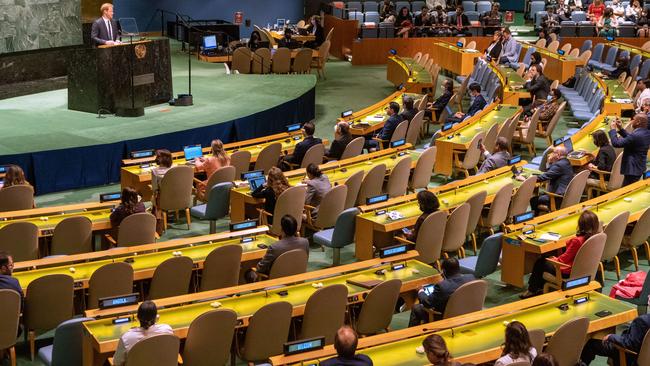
105, 30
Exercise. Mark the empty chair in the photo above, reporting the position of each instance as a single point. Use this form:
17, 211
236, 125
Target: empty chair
302, 61
136, 229
73, 235
454, 230
323, 53
423, 168
221, 268
487, 260
476, 202
209, 338
372, 183
261, 61
340, 236
469, 5
378, 307
18, 197
176, 192
491, 138
354, 148
9, 318
566, 48
429, 239
268, 157
553, 46
526, 135
21, 240
639, 236
414, 128
354, 6
614, 231
521, 198
567, 342
66, 350
241, 60
585, 263
325, 312
596, 54
354, 185
290, 202
217, 207
159, 350
468, 298
281, 61
370, 6
398, 179
171, 278
498, 212
111, 279
48, 303
268, 330
241, 160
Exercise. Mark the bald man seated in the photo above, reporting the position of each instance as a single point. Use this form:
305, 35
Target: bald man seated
558, 175
346, 346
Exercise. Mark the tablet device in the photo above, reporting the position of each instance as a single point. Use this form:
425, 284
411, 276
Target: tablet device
256, 182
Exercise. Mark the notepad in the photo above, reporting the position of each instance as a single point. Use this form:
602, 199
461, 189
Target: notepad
621, 100
394, 215
364, 281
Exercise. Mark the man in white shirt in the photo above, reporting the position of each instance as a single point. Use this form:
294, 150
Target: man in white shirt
104, 30
644, 87
619, 10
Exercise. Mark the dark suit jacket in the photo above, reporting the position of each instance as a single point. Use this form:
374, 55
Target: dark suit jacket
358, 360
11, 283
477, 106
442, 100
302, 147
558, 175
389, 127
453, 20
99, 32
408, 114
632, 337
442, 290
338, 146
605, 158
278, 248
635, 149
319, 35
270, 199
538, 88
291, 44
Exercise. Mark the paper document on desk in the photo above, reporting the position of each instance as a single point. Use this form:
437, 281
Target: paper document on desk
550, 236
471, 51
394, 215
622, 100
375, 118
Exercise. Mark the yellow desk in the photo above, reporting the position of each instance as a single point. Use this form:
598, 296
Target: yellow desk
460, 136
337, 172
513, 85
278, 35
558, 67
454, 59
583, 141
372, 118
409, 73
617, 100
519, 255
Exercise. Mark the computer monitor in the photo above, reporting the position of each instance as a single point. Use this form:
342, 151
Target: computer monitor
256, 182
280, 23
210, 42
104, 197
397, 143
293, 127
568, 145
252, 174
192, 152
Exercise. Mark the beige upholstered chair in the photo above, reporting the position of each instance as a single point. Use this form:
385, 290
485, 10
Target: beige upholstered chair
526, 135
281, 61
573, 192
302, 61
455, 231
521, 198
9, 318
354, 185
159, 350
323, 55
262, 61
468, 298
643, 357
476, 203
73, 235
417, 57
585, 263
602, 184
429, 240
209, 338
471, 158
241, 160
14, 198
314, 155
331, 206
423, 59
354, 148
537, 339
498, 212
575, 52
268, 157
289, 263
290, 202
241, 60
21, 240
221, 268
567, 48
111, 279
639, 236
221, 175
171, 278
423, 169
547, 132
176, 192
614, 230
567, 342
584, 57
325, 312
268, 330
553, 46
491, 137
378, 307
398, 134
414, 128
48, 303
398, 180
541, 43
372, 183
136, 229
471, 45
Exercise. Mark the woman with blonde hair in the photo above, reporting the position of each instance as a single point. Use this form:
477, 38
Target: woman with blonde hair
211, 164
276, 183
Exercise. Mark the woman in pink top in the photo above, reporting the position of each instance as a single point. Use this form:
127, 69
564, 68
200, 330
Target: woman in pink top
596, 11
211, 164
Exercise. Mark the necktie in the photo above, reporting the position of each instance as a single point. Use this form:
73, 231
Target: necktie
110, 30
460, 21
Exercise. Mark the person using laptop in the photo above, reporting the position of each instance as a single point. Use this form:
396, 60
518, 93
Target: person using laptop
210, 164
276, 183
315, 29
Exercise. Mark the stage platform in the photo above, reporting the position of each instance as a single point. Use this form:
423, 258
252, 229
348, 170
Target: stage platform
62, 149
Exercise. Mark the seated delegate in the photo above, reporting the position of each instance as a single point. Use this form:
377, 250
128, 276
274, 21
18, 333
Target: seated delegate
308, 130
428, 204
478, 103
497, 159
558, 175
275, 184
342, 137
386, 133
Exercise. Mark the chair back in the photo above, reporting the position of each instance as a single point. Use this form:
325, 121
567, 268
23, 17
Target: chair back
575, 52
585, 56
567, 48
541, 43
344, 229
221, 268
429, 240
473, 154
241, 160
575, 188
9, 317
18, 197
454, 233
314, 155
398, 180
137, 229
329, 35
268, 157
499, 208
644, 354
268, 330
241, 60
553, 122
378, 307
302, 61
73, 235
325, 312
221, 175
521, 198
209, 338
262, 61
68, 340
537, 337
567, 342
48, 302
489, 256
171, 278
417, 57
529, 137
354, 185
553, 46
281, 61
21, 240
414, 128
331, 206
159, 350
641, 230
616, 178
491, 137
614, 231
290, 202
218, 205
111, 279
471, 45
354, 148
289, 263
176, 188
372, 183
423, 169
468, 298
442, 117
588, 257
476, 202
400, 131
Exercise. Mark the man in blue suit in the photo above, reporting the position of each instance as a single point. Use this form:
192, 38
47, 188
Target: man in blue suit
104, 30
635, 146
631, 339
478, 103
308, 130
558, 175
437, 300
386, 133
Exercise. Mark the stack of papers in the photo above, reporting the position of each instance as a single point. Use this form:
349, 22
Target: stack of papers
394, 215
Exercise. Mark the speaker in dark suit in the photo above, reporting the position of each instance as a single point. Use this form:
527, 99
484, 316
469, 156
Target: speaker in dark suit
104, 30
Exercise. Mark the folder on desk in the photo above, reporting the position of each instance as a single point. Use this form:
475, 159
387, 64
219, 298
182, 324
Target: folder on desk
364, 281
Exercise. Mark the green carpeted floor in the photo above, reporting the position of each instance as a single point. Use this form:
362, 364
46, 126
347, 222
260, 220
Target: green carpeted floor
346, 87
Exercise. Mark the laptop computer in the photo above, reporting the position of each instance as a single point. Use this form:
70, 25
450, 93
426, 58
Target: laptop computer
256, 182
192, 152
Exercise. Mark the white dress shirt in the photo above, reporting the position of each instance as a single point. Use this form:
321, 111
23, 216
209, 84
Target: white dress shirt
109, 28
645, 94
133, 336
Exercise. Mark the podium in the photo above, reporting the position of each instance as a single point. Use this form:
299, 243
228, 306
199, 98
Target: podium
99, 79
